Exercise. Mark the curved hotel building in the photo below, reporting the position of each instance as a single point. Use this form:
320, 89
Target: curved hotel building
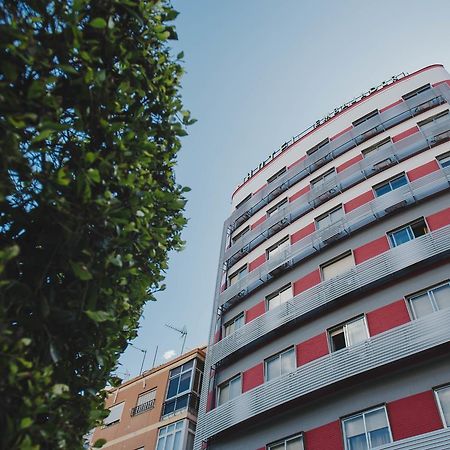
331, 321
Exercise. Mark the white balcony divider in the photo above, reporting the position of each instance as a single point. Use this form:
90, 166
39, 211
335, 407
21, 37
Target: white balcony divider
393, 345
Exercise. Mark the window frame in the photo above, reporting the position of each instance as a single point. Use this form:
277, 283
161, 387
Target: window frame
278, 355
439, 403
233, 321
363, 413
335, 260
275, 208
245, 199
226, 383
372, 149
441, 157
240, 235
388, 182
277, 245
277, 175
184, 430
416, 91
318, 146
236, 273
327, 214
407, 226
276, 294
320, 180
344, 326
366, 117
286, 440
433, 118
110, 409
431, 299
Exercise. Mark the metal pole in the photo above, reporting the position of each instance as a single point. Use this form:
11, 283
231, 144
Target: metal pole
143, 359
154, 358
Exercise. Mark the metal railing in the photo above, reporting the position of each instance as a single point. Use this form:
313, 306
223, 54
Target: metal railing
366, 130
369, 166
436, 440
139, 409
363, 276
411, 193
393, 345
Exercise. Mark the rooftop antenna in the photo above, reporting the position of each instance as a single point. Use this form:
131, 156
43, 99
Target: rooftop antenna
143, 358
183, 333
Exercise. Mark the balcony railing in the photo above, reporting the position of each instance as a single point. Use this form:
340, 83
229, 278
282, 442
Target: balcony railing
139, 409
383, 121
436, 440
406, 195
369, 166
177, 405
388, 347
363, 276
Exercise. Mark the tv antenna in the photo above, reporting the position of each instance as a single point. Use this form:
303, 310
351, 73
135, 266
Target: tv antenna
183, 333
143, 358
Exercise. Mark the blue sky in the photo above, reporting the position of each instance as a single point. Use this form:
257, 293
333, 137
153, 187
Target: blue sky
257, 73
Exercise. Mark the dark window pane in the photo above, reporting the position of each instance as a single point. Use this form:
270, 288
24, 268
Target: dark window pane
379, 437
338, 341
169, 407
381, 190
419, 228
188, 365
398, 182
185, 382
175, 371
182, 402
173, 387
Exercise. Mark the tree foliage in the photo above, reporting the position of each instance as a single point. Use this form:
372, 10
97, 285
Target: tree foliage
90, 121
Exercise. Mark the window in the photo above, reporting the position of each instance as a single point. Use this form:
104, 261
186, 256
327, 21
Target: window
241, 233
444, 160
416, 92
390, 185
277, 175
249, 196
350, 333
443, 397
180, 382
171, 437
292, 443
366, 430
338, 265
145, 402
378, 146
433, 120
277, 207
115, 413
407, 233
324, 178
280, 364
318, 146
232, 325
278, 247
238, 275
330, 217
277, 298
431, 300
229, 390
365, 118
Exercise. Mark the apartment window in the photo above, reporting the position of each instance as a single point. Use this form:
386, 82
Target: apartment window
277, 175
145, 402
274, 209
277, 298
115, 413
416, 92
330, 217
280, 364
376, 147
350, 333
390, 185
180, 384
431, 300
232, 325
430, 121
278, 247
324, 178
317, 147
292, 443
444, 160
241, 233
249, 196
229, 390
443, 397
238, 275
337, 266
366, 430
171, 436
365, 118
407, 233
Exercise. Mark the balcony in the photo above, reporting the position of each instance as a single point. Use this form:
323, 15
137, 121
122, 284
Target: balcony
388, 347
436, 440
372, 272
188, 402
383, 121
369, 166
139, 409
406, 195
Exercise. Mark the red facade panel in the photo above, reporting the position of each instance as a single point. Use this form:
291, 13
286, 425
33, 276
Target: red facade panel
217, 336
300, 193
305, 231
422, 170
255, 311
414, 415
441, 82
307, 282
341, 133
349, 163
371, 249
258, 222
312, 349
326, 437
358, 201
439, 219
253, 377
261, 259
387, 317
405, 134
210, 401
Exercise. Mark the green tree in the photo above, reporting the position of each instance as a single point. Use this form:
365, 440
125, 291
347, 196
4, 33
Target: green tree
90, 121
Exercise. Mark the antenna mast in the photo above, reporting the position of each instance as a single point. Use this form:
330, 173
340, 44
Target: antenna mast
183, 333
